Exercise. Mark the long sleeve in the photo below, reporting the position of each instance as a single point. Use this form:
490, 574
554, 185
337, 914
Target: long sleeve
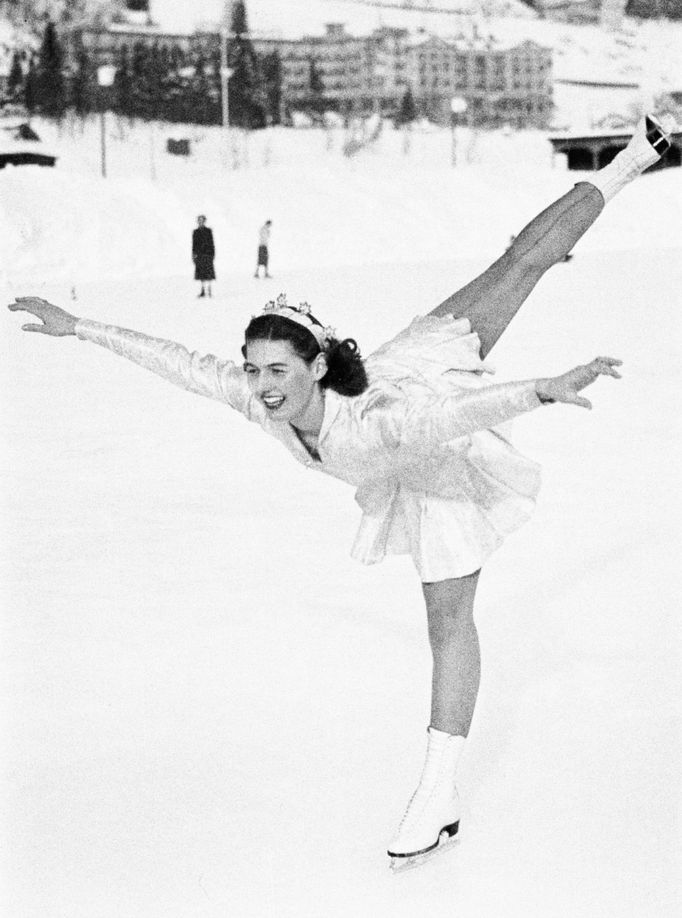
421, 424
202, 374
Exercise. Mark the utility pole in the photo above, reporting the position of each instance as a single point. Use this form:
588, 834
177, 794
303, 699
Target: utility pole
225, 75
225, 71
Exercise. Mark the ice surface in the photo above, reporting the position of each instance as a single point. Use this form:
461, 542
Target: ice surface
208, 709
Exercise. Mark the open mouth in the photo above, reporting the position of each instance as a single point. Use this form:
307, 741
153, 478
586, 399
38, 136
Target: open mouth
273, 402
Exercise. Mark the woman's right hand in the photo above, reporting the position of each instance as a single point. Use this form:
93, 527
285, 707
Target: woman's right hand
55, 321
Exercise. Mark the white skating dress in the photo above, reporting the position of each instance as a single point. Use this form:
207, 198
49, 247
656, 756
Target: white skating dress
435, 476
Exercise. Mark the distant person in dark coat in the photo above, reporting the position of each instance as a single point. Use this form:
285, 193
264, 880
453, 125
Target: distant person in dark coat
203, 253
263, 252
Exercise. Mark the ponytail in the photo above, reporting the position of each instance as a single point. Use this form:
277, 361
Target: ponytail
345, 368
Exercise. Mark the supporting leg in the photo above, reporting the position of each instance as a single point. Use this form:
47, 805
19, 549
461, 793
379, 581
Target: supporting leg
432, 815
492, 299
456, 654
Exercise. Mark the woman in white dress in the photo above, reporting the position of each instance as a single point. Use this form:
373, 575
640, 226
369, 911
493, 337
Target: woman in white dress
413, 428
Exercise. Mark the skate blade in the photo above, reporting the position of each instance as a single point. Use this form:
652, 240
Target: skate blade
445, 842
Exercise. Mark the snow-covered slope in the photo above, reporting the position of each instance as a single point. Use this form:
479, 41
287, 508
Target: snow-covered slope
67, 224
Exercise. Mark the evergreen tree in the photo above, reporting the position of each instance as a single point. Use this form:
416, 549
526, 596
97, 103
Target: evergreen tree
215, 89
239, 24
83, 80
408, 110
165, 85
271, 66
123, 83
15, 80
200, 93
156, 64
31, 87
142, 82
247, 97
316, 100
173, 86
51, 93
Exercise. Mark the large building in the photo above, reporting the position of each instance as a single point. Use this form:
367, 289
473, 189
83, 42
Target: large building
355, 73
500, 83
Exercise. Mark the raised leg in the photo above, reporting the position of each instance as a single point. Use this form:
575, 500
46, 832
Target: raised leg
456, 654
492, 299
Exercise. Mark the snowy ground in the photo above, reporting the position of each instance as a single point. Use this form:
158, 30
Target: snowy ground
209, 710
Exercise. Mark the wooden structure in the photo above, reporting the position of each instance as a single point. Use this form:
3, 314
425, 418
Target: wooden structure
588, 152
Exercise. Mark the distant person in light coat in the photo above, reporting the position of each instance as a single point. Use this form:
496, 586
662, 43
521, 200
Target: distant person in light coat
263, 248
203, 253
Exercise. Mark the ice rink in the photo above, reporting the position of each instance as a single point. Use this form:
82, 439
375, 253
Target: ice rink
209, 709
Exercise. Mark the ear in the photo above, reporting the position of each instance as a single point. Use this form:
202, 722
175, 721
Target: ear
320, 367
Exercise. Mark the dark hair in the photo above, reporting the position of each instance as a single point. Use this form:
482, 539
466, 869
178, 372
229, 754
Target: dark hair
345, 369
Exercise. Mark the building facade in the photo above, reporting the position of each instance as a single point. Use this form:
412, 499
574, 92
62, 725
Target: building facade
359, 74
356, 73
500, 84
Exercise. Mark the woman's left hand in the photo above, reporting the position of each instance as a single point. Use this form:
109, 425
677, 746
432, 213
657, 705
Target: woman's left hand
565, 388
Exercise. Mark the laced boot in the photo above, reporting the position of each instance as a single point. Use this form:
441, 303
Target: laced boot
647, 145
432, 814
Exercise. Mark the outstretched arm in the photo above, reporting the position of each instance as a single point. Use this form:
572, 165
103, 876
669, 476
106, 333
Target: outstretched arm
418, 424
202, 374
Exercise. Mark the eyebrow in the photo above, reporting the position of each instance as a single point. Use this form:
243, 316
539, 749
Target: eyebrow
247, 363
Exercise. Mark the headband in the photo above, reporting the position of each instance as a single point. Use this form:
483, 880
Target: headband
302, 315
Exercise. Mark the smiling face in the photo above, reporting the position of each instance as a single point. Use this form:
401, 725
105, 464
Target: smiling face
285, 384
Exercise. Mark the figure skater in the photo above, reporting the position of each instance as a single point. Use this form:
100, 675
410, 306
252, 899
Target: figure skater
414, 429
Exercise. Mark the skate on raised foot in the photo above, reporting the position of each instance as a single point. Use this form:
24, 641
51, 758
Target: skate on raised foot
657, 135
431, 820
646, 146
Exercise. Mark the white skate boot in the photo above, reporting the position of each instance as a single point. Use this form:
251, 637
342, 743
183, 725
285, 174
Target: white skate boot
648, 144
432, 816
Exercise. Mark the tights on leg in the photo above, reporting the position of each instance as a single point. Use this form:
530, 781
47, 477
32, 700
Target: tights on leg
490, 302
492, 299
456, 655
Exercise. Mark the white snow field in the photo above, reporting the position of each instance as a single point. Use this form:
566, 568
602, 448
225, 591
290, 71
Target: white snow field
208, 709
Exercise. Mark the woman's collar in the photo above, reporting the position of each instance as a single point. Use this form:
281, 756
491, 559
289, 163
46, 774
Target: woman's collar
332, 406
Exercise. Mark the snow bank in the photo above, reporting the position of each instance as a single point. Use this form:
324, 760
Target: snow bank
69, 225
